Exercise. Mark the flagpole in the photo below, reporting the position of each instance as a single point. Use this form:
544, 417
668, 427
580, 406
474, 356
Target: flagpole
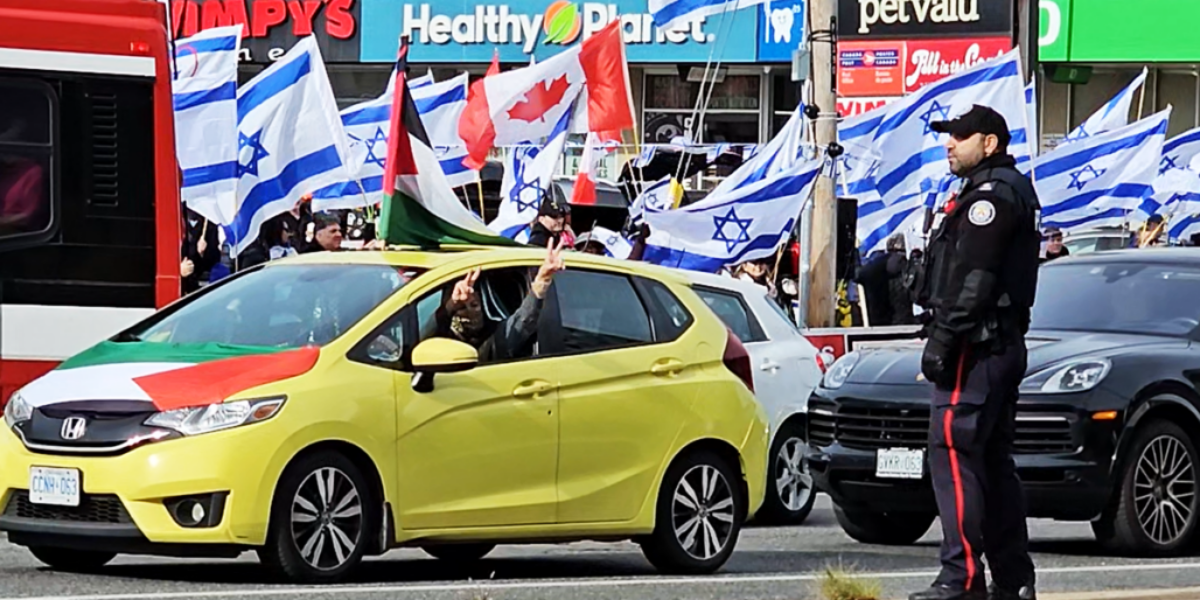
479, 186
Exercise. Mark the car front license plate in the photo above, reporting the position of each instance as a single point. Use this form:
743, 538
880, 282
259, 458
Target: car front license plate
900, 463
54, 486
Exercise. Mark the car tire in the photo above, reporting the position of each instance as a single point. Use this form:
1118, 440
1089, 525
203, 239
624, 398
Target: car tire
321, 524
1127, 527
72, 561
888, 529
459, 553
789, 465
700, 494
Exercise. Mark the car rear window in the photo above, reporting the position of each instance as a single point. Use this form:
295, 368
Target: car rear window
732, 309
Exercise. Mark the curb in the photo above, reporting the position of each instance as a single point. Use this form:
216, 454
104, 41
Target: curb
1189, 593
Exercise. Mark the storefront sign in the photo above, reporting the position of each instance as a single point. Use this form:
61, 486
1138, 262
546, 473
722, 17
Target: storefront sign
923, 18
931, 60
780, 29
271, 27
1054, 30
851, 107
466, 31
870, 68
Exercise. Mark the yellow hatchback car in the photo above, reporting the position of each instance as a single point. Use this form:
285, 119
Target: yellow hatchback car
322, 408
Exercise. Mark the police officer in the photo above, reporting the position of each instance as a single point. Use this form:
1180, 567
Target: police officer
978, 286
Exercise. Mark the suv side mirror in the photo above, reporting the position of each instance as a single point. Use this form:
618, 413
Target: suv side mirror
440, 355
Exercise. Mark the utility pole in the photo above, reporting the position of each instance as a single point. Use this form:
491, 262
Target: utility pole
822, 252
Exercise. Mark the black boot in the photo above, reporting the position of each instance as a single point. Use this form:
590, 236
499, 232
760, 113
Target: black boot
996, 592
945, 592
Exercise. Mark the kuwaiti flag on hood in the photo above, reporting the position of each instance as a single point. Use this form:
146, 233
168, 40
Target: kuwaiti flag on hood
526, 103
419, 206
168, 376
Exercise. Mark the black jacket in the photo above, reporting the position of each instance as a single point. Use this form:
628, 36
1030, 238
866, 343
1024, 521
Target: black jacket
194, 230
982, 259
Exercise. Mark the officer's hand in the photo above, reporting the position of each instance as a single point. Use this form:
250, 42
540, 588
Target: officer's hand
938, 363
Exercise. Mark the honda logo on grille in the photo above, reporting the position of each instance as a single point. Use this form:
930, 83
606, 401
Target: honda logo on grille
73, 428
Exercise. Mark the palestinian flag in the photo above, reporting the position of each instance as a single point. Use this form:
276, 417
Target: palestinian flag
419, 206
168, 376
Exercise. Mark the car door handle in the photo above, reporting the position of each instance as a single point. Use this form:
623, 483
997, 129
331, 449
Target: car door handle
532, 389
770, 366
668, 366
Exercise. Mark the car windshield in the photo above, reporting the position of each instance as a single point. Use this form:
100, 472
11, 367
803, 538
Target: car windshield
1118, 297
285, 306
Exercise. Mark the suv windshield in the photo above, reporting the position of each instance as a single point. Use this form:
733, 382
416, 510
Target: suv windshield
286, 306
1121, 297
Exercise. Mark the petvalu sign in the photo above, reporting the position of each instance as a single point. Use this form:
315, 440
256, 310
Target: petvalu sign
868, 19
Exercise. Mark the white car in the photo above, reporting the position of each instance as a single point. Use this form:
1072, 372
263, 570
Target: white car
786, 373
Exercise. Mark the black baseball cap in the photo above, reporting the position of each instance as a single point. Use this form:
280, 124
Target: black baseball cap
552, 207
980, 119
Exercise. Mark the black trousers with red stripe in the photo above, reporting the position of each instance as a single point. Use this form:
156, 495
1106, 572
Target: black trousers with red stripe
979, 498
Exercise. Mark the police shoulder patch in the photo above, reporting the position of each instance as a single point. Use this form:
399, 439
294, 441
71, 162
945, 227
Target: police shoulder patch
987, 187
982, 213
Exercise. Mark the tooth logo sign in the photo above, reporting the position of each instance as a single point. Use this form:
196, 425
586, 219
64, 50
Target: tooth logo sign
562, 23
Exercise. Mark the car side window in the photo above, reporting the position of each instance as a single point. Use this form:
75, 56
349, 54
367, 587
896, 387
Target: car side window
499, 294
384, 347
596, 311
668, 315
732, 310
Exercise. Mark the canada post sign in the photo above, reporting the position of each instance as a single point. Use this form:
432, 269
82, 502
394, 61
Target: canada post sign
465, 31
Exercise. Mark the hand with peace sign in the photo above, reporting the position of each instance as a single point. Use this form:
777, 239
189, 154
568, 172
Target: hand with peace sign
552, 264
463, 291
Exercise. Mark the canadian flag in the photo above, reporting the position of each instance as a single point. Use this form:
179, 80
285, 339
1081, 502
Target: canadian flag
597, 145
525, 104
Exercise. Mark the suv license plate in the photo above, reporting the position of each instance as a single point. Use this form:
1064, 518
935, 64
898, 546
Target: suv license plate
54, 486
900, 463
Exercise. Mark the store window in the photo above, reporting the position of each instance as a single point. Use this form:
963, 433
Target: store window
732, 116
26, 150
785, 97
1178, 89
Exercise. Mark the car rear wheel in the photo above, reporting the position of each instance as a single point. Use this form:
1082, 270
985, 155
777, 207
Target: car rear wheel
790, 491
459, 553
699, 516
1156, 508
75, 561
890, 529
320, 521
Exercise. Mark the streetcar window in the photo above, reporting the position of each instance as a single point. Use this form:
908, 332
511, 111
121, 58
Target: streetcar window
26, 150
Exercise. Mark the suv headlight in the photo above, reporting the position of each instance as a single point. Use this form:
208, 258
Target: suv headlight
18, 410
1078, 375
216, 417
840, 371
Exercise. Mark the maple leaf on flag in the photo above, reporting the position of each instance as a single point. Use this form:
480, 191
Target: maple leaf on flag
539, 100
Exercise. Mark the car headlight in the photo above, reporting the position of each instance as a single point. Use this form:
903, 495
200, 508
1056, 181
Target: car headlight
18, 410
216, 417
1078, 375
837, 374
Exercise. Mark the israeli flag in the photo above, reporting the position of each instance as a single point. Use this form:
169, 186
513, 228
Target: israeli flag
615, 246
1101, 180
1113, 115
1182, 208
914, 156
416, 82
656, 197
747, 223
366, 126
1180, 152
528, 174
1169, 187
779, 155
290, 139
860, 162
1031, 117
441, 105
674, 14
204, 93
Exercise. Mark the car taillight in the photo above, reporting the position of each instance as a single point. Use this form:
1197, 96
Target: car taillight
737, 359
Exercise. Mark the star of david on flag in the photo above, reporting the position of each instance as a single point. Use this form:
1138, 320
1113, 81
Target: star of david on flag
741, 232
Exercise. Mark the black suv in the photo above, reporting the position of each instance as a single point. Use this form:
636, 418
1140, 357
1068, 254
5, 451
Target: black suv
1108, 419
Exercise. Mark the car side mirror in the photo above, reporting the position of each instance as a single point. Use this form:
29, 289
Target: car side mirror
440, 355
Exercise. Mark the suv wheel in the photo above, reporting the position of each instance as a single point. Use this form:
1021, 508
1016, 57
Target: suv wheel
790, 491
1155, 511
699, 516
890, 529
320, 521
73, 561
459, 553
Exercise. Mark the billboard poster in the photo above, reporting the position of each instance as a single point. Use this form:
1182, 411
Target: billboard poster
931, 60
870, 68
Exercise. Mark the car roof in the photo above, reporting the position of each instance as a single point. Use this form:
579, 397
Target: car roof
724, 282
1182, 255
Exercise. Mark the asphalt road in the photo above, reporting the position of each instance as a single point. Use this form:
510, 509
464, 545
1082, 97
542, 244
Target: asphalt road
769, 563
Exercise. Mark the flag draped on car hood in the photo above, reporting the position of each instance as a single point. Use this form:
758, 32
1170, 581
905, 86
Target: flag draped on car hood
169, 376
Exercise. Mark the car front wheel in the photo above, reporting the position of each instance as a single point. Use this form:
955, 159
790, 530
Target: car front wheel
699, 516
790, 491
890, 529
1155, 511
320, 521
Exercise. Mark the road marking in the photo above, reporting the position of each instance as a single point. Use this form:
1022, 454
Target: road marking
650, 581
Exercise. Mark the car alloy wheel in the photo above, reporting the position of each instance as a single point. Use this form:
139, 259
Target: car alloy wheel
1164, 489
793, 482
327, 518
703, 512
